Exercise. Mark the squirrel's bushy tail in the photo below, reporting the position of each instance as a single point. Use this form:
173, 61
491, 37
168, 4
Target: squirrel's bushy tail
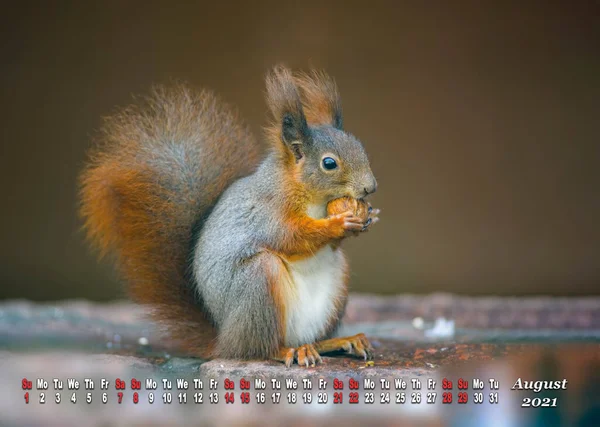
158, 169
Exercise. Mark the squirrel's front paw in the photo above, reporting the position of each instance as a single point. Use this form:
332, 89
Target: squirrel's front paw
346, 223
358, 208
305, 355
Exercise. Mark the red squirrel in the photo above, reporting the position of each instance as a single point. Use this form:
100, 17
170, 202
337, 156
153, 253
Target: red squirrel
234, 249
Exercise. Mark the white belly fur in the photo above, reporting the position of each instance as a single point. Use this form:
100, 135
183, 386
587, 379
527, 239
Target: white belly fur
316, 283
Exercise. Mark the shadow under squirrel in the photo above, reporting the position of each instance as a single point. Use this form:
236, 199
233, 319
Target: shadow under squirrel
237, 253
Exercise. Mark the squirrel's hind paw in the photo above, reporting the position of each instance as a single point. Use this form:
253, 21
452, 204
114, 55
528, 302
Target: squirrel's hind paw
357, 345
305, 355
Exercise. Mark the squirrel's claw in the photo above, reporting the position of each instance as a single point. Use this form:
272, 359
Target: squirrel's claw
373, 218
369, 221
305, 355
358, 345
288, 356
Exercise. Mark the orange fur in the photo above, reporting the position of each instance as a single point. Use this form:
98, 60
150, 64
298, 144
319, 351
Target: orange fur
276, 277
161, 168
150, 264
336, 344
320, 98
307, 235
141, 208
358, 345
285, 354
292, 95
305, 355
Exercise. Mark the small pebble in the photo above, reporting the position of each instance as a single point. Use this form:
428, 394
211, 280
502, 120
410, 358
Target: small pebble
143, 341
418, 323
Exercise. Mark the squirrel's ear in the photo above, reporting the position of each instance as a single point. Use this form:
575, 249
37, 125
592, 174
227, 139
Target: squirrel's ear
321, 98
285, 104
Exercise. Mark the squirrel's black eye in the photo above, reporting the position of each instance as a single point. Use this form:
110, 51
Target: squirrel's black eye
329, 163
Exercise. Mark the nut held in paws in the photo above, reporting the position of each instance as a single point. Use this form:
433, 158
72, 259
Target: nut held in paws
360, 208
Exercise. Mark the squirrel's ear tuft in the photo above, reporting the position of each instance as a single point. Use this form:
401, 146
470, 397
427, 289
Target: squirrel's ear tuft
321, 99
285, 104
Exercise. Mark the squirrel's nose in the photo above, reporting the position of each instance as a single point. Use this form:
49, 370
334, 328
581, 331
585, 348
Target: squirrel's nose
371, 187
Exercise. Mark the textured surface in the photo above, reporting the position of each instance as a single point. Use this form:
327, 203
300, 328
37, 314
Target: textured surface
538, 338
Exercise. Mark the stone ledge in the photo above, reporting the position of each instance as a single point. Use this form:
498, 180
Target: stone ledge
503, 337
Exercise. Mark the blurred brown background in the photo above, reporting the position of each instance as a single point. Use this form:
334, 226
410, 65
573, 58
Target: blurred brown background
481, 121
